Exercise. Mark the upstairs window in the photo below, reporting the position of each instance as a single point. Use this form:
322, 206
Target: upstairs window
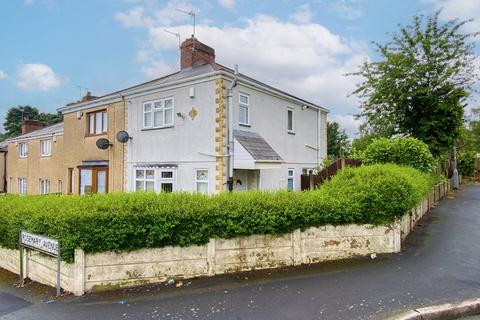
23, 149
45, 147
158, 113
244, 109
290, 120
97, 122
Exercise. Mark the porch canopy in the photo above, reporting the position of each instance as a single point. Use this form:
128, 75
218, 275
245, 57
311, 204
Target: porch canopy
252, 152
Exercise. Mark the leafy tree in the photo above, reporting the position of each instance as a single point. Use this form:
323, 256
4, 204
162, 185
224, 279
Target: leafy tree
337, 140
15, 115
420, 85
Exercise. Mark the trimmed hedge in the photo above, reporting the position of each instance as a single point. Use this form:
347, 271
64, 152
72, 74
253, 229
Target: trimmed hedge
127, 221
402, 151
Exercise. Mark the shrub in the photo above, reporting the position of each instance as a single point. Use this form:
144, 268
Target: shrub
402, 151
466, 163
127, 221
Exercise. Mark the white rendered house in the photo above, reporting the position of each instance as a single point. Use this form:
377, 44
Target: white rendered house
179, 128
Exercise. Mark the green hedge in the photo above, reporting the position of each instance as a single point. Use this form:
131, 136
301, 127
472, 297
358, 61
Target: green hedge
127, 221
402, 151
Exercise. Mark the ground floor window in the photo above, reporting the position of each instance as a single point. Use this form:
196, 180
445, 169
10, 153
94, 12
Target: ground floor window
60, 187
201, 179
155, 180
291, 179
71, 180
93, 180
44, 186
145, 180
22, 186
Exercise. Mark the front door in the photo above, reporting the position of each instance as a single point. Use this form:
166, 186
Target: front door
93, 180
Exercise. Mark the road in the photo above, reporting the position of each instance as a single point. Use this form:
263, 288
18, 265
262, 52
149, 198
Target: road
440, 263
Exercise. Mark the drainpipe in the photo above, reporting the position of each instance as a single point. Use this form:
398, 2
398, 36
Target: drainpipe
232, 85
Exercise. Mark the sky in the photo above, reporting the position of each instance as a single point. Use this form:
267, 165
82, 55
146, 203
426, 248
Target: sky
52, 51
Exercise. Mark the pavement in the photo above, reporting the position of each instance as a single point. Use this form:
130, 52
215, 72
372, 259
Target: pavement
440, 263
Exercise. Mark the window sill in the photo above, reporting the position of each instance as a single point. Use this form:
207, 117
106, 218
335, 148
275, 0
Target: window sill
23, 157
245, 125
45, 155
291, 132
157, 128
96, 134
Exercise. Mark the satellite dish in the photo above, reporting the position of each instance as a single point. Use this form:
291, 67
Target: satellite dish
122, 136
103, 144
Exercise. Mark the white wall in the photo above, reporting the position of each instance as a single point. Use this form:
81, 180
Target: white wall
268, 117
181, 143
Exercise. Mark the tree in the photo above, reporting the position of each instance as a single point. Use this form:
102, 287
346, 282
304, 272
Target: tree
15, 115
420, 86
337, 140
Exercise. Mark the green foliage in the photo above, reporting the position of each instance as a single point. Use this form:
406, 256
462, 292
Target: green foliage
127, 221
15, 115
466, 163
337, 140
360, 144
402, 151
421, 84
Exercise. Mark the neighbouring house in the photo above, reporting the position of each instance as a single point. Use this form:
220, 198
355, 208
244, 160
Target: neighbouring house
88, 168
3, 166
35, 159
204, 128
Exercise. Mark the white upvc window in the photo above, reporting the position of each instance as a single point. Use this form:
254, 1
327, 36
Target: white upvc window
307, 171
290, 120
167, 180
291, 179
60, 187
145, 180
45, 147
22, 185
158, 113
44, 186
201, 180
244, 109
23, 149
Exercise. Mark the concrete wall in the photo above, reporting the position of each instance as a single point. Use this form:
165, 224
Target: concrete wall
110, 270
36, 167
80, 146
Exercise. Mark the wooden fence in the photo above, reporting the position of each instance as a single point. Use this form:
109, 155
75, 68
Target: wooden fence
315, 180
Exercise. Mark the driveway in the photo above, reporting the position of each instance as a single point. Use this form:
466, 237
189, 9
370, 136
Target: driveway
440, 263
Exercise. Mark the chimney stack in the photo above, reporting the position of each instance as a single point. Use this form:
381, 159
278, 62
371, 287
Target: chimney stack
194, 53
31, 125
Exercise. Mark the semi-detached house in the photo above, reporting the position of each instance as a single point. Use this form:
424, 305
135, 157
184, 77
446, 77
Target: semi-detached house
202, 129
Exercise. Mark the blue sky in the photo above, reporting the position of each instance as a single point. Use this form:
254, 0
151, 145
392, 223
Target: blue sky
52, 50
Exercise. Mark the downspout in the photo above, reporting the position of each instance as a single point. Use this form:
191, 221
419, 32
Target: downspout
232, 85
5, 171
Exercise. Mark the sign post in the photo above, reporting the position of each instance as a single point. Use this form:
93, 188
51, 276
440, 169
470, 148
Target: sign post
42, 244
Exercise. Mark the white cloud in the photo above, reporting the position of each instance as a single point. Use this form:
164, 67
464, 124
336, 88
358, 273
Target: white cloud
461, 9
37, 76
305, 59
227, 4
28, 2
3, 74
303, 14
347, 122
157, 68
133, 18
347, 9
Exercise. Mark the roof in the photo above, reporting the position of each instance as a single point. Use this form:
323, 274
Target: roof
258, 148
54, 129
184, 74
